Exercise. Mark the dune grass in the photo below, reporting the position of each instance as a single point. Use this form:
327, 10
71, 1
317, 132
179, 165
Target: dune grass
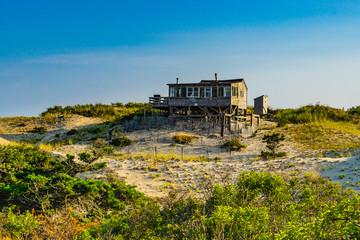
110, 112
326, 135
322, 127
316, 113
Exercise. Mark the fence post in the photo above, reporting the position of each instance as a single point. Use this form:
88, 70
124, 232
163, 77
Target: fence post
223, 126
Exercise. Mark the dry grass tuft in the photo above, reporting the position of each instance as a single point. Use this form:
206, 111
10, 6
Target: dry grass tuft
184, 138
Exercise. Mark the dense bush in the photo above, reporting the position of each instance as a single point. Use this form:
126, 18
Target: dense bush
355, 110
121, 141
234, 144
71, 132
273, 142
32, 179
258, 206
84, 156
40, 129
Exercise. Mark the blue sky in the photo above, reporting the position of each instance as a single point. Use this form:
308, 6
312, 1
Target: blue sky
75, 52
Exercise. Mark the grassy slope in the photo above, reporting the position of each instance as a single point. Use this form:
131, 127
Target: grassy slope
322, 127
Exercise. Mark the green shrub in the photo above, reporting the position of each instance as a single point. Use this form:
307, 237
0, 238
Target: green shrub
257, 206
84, 156
270, 155
32, 179
234, 144
121, 141
71, 132
41, 129
273, 142
20, 226
108, 150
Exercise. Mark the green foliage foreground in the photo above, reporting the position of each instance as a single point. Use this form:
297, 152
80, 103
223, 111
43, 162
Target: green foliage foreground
259, 205
31, 179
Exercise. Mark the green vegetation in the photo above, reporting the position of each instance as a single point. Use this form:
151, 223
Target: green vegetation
183, 138
40, 194
88, 133
112, 112
40, 129
322, 127
32, 180
85, 157
234, 144
273, 142
121, 141
317, 113
326, 135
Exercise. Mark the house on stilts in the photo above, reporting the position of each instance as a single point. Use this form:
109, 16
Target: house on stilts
224, 99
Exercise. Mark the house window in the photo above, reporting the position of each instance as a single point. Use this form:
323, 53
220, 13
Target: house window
220, 91
175, 92
190, 92
172, 92
227, 91
196, 92
241, 93
208, 92
235, 91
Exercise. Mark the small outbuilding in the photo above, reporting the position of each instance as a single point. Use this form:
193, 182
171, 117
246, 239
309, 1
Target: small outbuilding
261, 105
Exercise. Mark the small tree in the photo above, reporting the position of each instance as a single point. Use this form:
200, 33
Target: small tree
273, 142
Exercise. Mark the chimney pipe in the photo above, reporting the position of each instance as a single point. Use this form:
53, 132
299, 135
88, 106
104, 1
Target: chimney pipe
177, 80
216, 80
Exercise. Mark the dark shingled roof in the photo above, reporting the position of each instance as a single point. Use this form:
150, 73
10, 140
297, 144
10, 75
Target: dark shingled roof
223, 81
208, 82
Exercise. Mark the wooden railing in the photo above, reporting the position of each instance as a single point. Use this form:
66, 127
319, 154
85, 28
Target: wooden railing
158, 101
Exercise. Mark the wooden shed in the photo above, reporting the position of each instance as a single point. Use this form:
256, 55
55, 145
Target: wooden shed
261, 105
206, 98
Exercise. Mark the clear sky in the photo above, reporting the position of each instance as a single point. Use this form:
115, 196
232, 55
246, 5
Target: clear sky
63, 52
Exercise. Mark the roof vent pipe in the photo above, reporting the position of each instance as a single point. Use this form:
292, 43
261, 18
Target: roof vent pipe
177, 80
216, 80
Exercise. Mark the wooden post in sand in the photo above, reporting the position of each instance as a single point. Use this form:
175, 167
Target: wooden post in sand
223, 126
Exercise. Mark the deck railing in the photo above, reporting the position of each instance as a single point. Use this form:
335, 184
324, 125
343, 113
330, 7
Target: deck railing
158, 101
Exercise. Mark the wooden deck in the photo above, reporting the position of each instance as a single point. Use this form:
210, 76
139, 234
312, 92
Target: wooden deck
159, 102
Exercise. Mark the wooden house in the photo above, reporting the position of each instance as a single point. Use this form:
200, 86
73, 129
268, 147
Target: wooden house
207, 98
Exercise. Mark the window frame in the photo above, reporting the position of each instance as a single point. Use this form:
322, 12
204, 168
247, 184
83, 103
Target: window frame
206, 92
227, 91
197, 91
188, 90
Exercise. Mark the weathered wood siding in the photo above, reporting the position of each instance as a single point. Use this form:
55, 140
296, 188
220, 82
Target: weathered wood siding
183, 100
240, 101
201, 102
